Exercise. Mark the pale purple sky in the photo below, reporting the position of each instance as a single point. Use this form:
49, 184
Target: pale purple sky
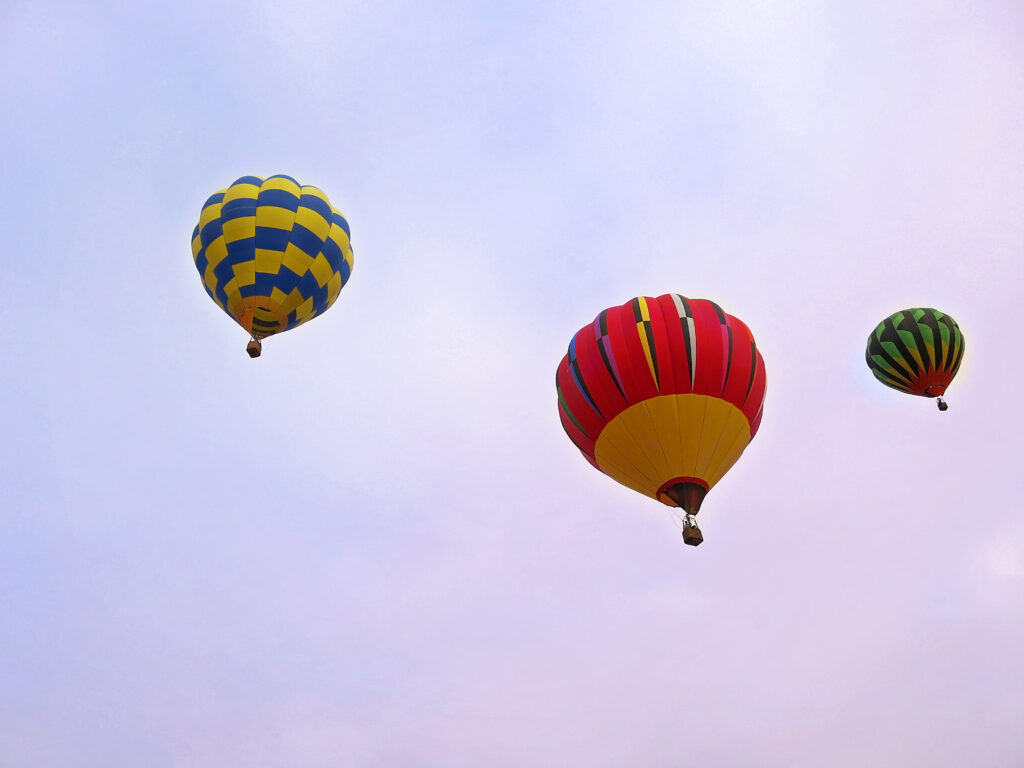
374, 546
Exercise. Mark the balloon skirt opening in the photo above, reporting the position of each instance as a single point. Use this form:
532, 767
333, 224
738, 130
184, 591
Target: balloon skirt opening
687, 495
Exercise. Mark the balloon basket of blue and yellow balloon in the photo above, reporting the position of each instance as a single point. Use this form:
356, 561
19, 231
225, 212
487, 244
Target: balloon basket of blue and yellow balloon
261, 317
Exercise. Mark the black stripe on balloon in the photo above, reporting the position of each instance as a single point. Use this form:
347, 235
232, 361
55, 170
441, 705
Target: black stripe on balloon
686, 335
719, 312
568, 412
890, 334
875, 349
929, 319
638, 315
958, 343
575, 366
690, 362
753, 369
911, 326
603, 324
884, 376
686, 305
728, 361
959, 354
949, 347
649, 330
578, 446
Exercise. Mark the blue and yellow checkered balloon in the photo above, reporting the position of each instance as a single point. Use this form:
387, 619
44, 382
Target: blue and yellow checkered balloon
272, 253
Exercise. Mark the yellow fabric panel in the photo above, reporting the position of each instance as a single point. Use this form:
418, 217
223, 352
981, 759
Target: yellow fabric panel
292, 301
672, 436
912, 349
240, 192
239, 229
333, 288
716, 422
691, 409
321, 269
245, 273
197, 245
340, 238
647, 352
286, 184
210, 280
317, 193
633, 433
231, 291
304, 310
265, 315
278, 296
210, 212
727, 453
665, 416
215, 253
296, 259
917, 356
268, 261
645, 313
627, 475
274, 217
313, 221
620, 467
932, 357
894, 373
719, 445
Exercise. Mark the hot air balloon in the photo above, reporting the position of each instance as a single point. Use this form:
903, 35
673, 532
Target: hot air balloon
663, 395
272, 254
917, 351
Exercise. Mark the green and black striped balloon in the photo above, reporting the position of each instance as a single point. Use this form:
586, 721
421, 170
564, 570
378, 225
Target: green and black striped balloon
917, 351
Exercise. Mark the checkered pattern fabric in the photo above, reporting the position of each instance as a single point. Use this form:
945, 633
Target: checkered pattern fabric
272, 253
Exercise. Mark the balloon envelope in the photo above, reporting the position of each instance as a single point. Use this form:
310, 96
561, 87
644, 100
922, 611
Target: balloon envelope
917, 351
272, 253
663, 395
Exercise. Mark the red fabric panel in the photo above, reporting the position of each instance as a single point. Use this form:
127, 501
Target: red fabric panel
628, 358
581, 409
756, 398
598, 380
666, 371
709, 349
629, 353
742, 362
677, 358
584, 443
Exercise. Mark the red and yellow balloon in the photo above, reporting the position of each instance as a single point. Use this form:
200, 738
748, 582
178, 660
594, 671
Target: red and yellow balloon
663, 395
